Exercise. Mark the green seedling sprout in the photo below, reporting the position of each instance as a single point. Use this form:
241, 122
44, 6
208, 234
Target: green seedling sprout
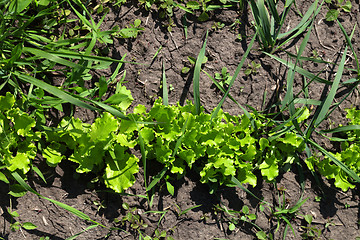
252, 68
337, 5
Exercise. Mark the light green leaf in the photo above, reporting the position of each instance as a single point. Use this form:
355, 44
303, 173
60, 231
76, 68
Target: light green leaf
6, 102
3, 178
332, 15
17, 6
21, 161
16, 190
123, 140
232, 227
28, 226
102, 127
170, 188
53, 157
269, 168
22, 121
148, 135
347, 6
119, 172
342, 182
264, 143
292, 139
87, 156
122, 98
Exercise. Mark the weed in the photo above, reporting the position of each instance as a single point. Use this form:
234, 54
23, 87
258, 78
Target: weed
311, 232
224, 77
15, 225
218, 25
179, 212
129, 32
252, 68
337, 5
133, 218
99, 204
234, 218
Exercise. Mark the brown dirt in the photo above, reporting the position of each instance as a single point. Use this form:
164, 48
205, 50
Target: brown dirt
340, 210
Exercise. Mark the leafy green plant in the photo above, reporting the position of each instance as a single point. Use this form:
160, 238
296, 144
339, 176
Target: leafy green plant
133, 218
129, 32
252, 68
349, 155
218, 25
305, 125
15, 225
337, 5
234, 218
205, 6
224, 77
18, 148
311, 232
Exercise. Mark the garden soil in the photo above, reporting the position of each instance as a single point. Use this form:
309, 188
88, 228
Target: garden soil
194, 213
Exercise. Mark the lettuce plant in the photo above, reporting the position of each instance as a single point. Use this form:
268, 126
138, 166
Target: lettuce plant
17, 149
349, 156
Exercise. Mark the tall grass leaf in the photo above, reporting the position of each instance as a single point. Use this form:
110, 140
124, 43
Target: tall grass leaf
273, 10
74, 55
265, 24
342, 129
69, 98
324, 108
335, 105
110, 109
348, 41
51, 57
196, 77
54, 91
237, 71
78, 234
342, 166
307, 101
304, 21
39, 173
289, 97
164, 87
300, 70
157, 178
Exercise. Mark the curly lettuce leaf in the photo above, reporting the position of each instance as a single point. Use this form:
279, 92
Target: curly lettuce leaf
119, 172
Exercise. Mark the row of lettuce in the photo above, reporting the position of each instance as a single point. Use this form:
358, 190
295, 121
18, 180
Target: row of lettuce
178, 139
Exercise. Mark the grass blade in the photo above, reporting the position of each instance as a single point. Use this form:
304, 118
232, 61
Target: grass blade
324, 108
69, 98
300, 70
196, 78
164, 86
55, 91
348, 41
